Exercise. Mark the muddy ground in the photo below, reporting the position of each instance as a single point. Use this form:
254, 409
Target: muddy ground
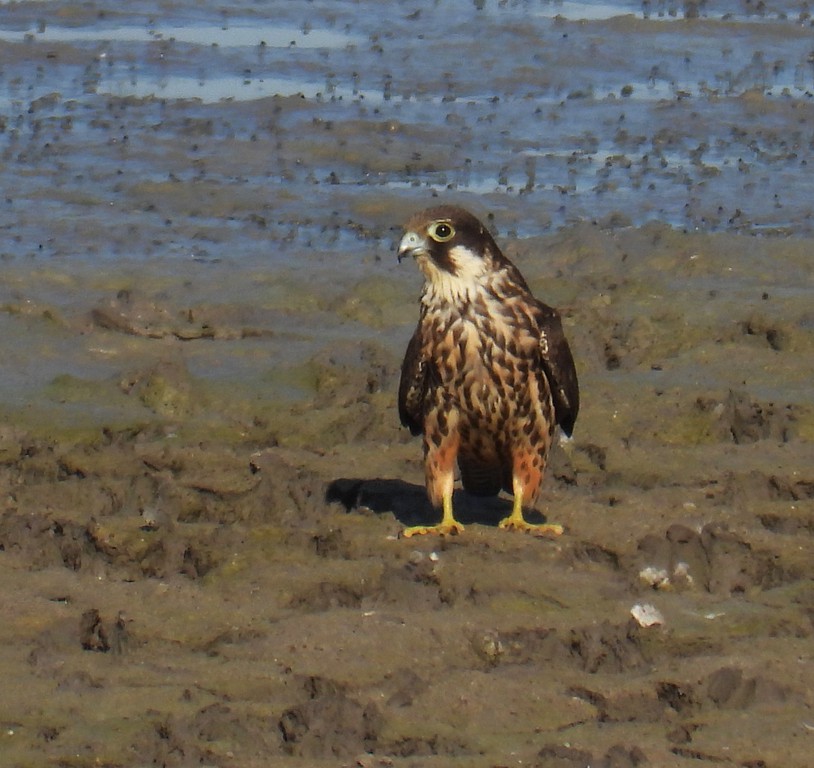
202, 474
213, 583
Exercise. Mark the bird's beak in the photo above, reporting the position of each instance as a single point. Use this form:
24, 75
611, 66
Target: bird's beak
412, 244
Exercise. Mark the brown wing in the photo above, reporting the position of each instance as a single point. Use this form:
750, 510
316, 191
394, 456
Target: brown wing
558, 363
414, 385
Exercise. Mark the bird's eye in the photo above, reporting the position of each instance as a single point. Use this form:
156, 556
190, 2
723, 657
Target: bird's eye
441, 232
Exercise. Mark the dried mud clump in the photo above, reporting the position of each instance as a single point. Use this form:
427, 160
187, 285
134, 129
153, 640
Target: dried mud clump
712, 559
595, 648
328, 724
618, 756
133, 313
742, 420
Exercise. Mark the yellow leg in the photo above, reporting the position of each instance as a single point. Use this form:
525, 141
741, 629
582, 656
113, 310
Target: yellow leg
516, 522
448, 525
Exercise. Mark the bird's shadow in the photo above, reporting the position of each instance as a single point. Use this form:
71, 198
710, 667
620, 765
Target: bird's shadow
409, 504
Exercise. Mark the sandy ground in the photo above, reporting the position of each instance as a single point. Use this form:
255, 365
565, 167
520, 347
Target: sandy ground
202, 474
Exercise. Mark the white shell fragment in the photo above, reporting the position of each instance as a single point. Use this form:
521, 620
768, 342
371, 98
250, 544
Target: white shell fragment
647, 615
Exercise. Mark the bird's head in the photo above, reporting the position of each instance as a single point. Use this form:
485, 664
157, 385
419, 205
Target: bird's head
452, 247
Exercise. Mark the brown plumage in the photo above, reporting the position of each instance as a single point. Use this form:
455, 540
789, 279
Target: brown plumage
488, 374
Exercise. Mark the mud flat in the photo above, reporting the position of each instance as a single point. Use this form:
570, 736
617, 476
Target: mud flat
202, 321
196, 571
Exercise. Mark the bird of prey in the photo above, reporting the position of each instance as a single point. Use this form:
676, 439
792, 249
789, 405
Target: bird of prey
488, 375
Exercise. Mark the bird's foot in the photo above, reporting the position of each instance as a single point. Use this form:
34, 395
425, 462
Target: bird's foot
543, 530
444, 528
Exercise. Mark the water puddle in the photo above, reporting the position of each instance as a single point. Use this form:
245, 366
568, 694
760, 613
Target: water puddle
664, 10
237, 36
209, 90
587, 11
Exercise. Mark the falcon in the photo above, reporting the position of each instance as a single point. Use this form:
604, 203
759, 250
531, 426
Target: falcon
488, 376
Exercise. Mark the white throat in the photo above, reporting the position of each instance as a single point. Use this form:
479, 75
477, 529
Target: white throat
467, 278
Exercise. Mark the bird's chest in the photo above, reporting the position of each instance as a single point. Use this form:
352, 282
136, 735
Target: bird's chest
482, 358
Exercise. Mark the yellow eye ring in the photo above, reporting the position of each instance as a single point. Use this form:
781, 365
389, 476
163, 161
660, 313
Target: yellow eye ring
442, 231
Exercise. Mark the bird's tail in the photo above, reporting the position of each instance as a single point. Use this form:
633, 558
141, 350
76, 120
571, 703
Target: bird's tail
482, 479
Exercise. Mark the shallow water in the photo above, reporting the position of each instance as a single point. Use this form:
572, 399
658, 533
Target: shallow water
573, 110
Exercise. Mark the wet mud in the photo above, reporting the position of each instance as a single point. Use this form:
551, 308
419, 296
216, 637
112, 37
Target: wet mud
203, 476
215, 578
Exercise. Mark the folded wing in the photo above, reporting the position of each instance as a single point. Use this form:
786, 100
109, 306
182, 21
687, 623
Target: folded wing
558, 364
